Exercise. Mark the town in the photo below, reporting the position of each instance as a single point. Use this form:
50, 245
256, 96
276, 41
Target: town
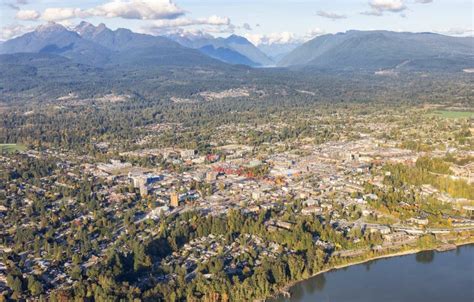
156, 212
247, 151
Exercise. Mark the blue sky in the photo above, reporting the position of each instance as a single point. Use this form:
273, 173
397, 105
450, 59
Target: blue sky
262, 21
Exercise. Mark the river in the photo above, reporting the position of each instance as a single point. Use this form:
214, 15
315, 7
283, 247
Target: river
425, 276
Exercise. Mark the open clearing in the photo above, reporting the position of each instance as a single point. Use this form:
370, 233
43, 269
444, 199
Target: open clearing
11, 148
454, 114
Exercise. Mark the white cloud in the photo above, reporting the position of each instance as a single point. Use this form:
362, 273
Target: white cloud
332, 16
60, 14
272, 38
378, 7
424, 1
27, 15
182, 22
215, 20
215, 24
14, 30
313, 33
187, 32
388, 5
127, 9
458, 31
229, 29
285, 37
139, 9
256, 39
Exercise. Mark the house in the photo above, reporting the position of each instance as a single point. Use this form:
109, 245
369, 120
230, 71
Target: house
374, 228
310, 202
397, 237
312, 210
284, 225
188, 154
419, 221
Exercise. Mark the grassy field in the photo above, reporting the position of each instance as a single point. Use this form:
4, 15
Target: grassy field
454, 114
11, 148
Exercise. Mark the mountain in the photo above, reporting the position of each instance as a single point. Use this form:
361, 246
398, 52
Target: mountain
192, 40
243, 46
278, 51
53, 38
226, 55
383, 50
99, 46
140, 49
46, 76
121, 39
235, 45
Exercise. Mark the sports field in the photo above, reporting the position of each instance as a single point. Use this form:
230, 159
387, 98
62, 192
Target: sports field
11, 148
454, 114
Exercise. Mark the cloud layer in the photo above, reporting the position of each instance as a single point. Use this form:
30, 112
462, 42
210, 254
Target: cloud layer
138, 9
182, 22
332, 16
213, 23
60, 14
283, 37
27, 15
127, 9
379, 7
11, 31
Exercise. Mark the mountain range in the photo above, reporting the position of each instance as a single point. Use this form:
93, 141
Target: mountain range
101, 47
233, 49
277, 51
382, 50
368, 51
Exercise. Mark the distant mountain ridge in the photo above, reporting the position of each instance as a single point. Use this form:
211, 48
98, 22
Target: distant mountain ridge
121, 39
277, 51
56, 39
380, 50
354, 51
231, 49
100, 46
227, 55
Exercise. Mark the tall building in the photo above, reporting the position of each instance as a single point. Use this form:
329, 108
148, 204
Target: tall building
144, 179
174, 199
188, 154
143, 190
211, 176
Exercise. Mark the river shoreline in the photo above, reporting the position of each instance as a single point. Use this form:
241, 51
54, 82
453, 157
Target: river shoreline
285, 290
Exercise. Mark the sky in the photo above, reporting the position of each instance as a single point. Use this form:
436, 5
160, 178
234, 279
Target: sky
260, 21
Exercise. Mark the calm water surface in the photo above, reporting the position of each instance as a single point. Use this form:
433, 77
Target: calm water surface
426, 276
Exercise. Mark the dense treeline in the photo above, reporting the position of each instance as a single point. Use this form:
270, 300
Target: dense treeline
52, 77
283, 95
430, 171
78, 127
191, 125
118, 277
